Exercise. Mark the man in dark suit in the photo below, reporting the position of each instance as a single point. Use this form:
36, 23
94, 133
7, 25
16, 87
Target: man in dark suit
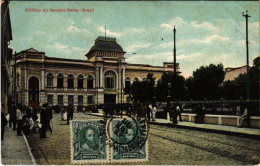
70, 113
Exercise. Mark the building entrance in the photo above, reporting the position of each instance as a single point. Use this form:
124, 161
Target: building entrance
109, 98
34, 92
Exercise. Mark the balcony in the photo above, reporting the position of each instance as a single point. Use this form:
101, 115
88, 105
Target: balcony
69, 90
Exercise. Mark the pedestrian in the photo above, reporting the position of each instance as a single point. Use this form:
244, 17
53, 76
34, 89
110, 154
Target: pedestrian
34, 114
243, 118
26, 124
179, 111
3, 124
174, 114
10, 112
29, 111
49, 117
70, 113
19, 120
43, 121
13, 116
153, 112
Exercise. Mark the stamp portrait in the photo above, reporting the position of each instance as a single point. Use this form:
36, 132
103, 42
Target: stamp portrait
88, 141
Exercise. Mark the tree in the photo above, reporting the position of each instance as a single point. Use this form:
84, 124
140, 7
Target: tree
177, 91
142, 91
205, 82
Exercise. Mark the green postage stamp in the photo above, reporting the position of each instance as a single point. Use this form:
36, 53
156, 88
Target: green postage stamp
88, 141
109, 140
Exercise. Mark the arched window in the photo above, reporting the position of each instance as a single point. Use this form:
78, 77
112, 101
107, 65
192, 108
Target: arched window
127, 82
136, 79
90, 80
60, 78
70, 81
110, 80
50, 80
80, 81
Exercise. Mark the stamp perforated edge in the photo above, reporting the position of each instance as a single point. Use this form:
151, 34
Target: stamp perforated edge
86, 161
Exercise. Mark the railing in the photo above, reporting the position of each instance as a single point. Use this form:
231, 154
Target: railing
73, 90
219, 107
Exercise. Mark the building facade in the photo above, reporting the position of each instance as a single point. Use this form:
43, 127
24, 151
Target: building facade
100, 79
6, 55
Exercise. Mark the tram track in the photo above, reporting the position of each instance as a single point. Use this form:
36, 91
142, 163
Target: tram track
214, 147
214, 140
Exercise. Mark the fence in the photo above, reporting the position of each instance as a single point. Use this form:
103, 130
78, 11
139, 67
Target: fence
218, 107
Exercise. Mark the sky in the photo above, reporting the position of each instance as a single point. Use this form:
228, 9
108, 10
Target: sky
206, 31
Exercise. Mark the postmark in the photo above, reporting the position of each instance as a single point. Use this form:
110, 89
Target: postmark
89, 141
129, 139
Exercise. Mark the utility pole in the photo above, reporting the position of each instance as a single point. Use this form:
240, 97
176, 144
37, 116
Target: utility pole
174, 63
174, 121
247, 56
247, 70
174, 52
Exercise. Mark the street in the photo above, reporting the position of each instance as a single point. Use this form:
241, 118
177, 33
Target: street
167, 145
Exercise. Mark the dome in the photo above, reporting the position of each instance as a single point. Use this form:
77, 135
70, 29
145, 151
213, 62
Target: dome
106, 44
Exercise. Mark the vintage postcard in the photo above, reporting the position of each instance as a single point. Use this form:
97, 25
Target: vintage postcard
130, 82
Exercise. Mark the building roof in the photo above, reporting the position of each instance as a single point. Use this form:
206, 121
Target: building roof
232, 73
31, 50
106, 44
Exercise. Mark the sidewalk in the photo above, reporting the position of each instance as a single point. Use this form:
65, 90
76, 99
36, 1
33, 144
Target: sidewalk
14, 149
231, 130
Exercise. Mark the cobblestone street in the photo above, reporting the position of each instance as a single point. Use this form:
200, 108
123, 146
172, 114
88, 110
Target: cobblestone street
167, 145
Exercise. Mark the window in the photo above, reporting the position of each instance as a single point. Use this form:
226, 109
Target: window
110, 80
80, 100
50, 80
70, 100
90, 81
60, 100
80, 81
144, 79
70, 81
136, 79
60, 78
50, 99
127, 82
90, 99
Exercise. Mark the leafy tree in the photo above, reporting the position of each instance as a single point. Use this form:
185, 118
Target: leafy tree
205, 82
177, 89
142, 91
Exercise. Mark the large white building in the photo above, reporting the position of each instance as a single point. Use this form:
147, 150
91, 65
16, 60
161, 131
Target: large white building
99, 79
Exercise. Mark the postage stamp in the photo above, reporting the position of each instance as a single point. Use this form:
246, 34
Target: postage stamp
88, 141
109, 140
129, 140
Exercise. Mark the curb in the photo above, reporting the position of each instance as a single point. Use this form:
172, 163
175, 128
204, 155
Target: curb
209, 130
29, 150
201, 129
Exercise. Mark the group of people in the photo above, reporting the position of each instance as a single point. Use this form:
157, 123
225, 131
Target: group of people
27, 121
174, 110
